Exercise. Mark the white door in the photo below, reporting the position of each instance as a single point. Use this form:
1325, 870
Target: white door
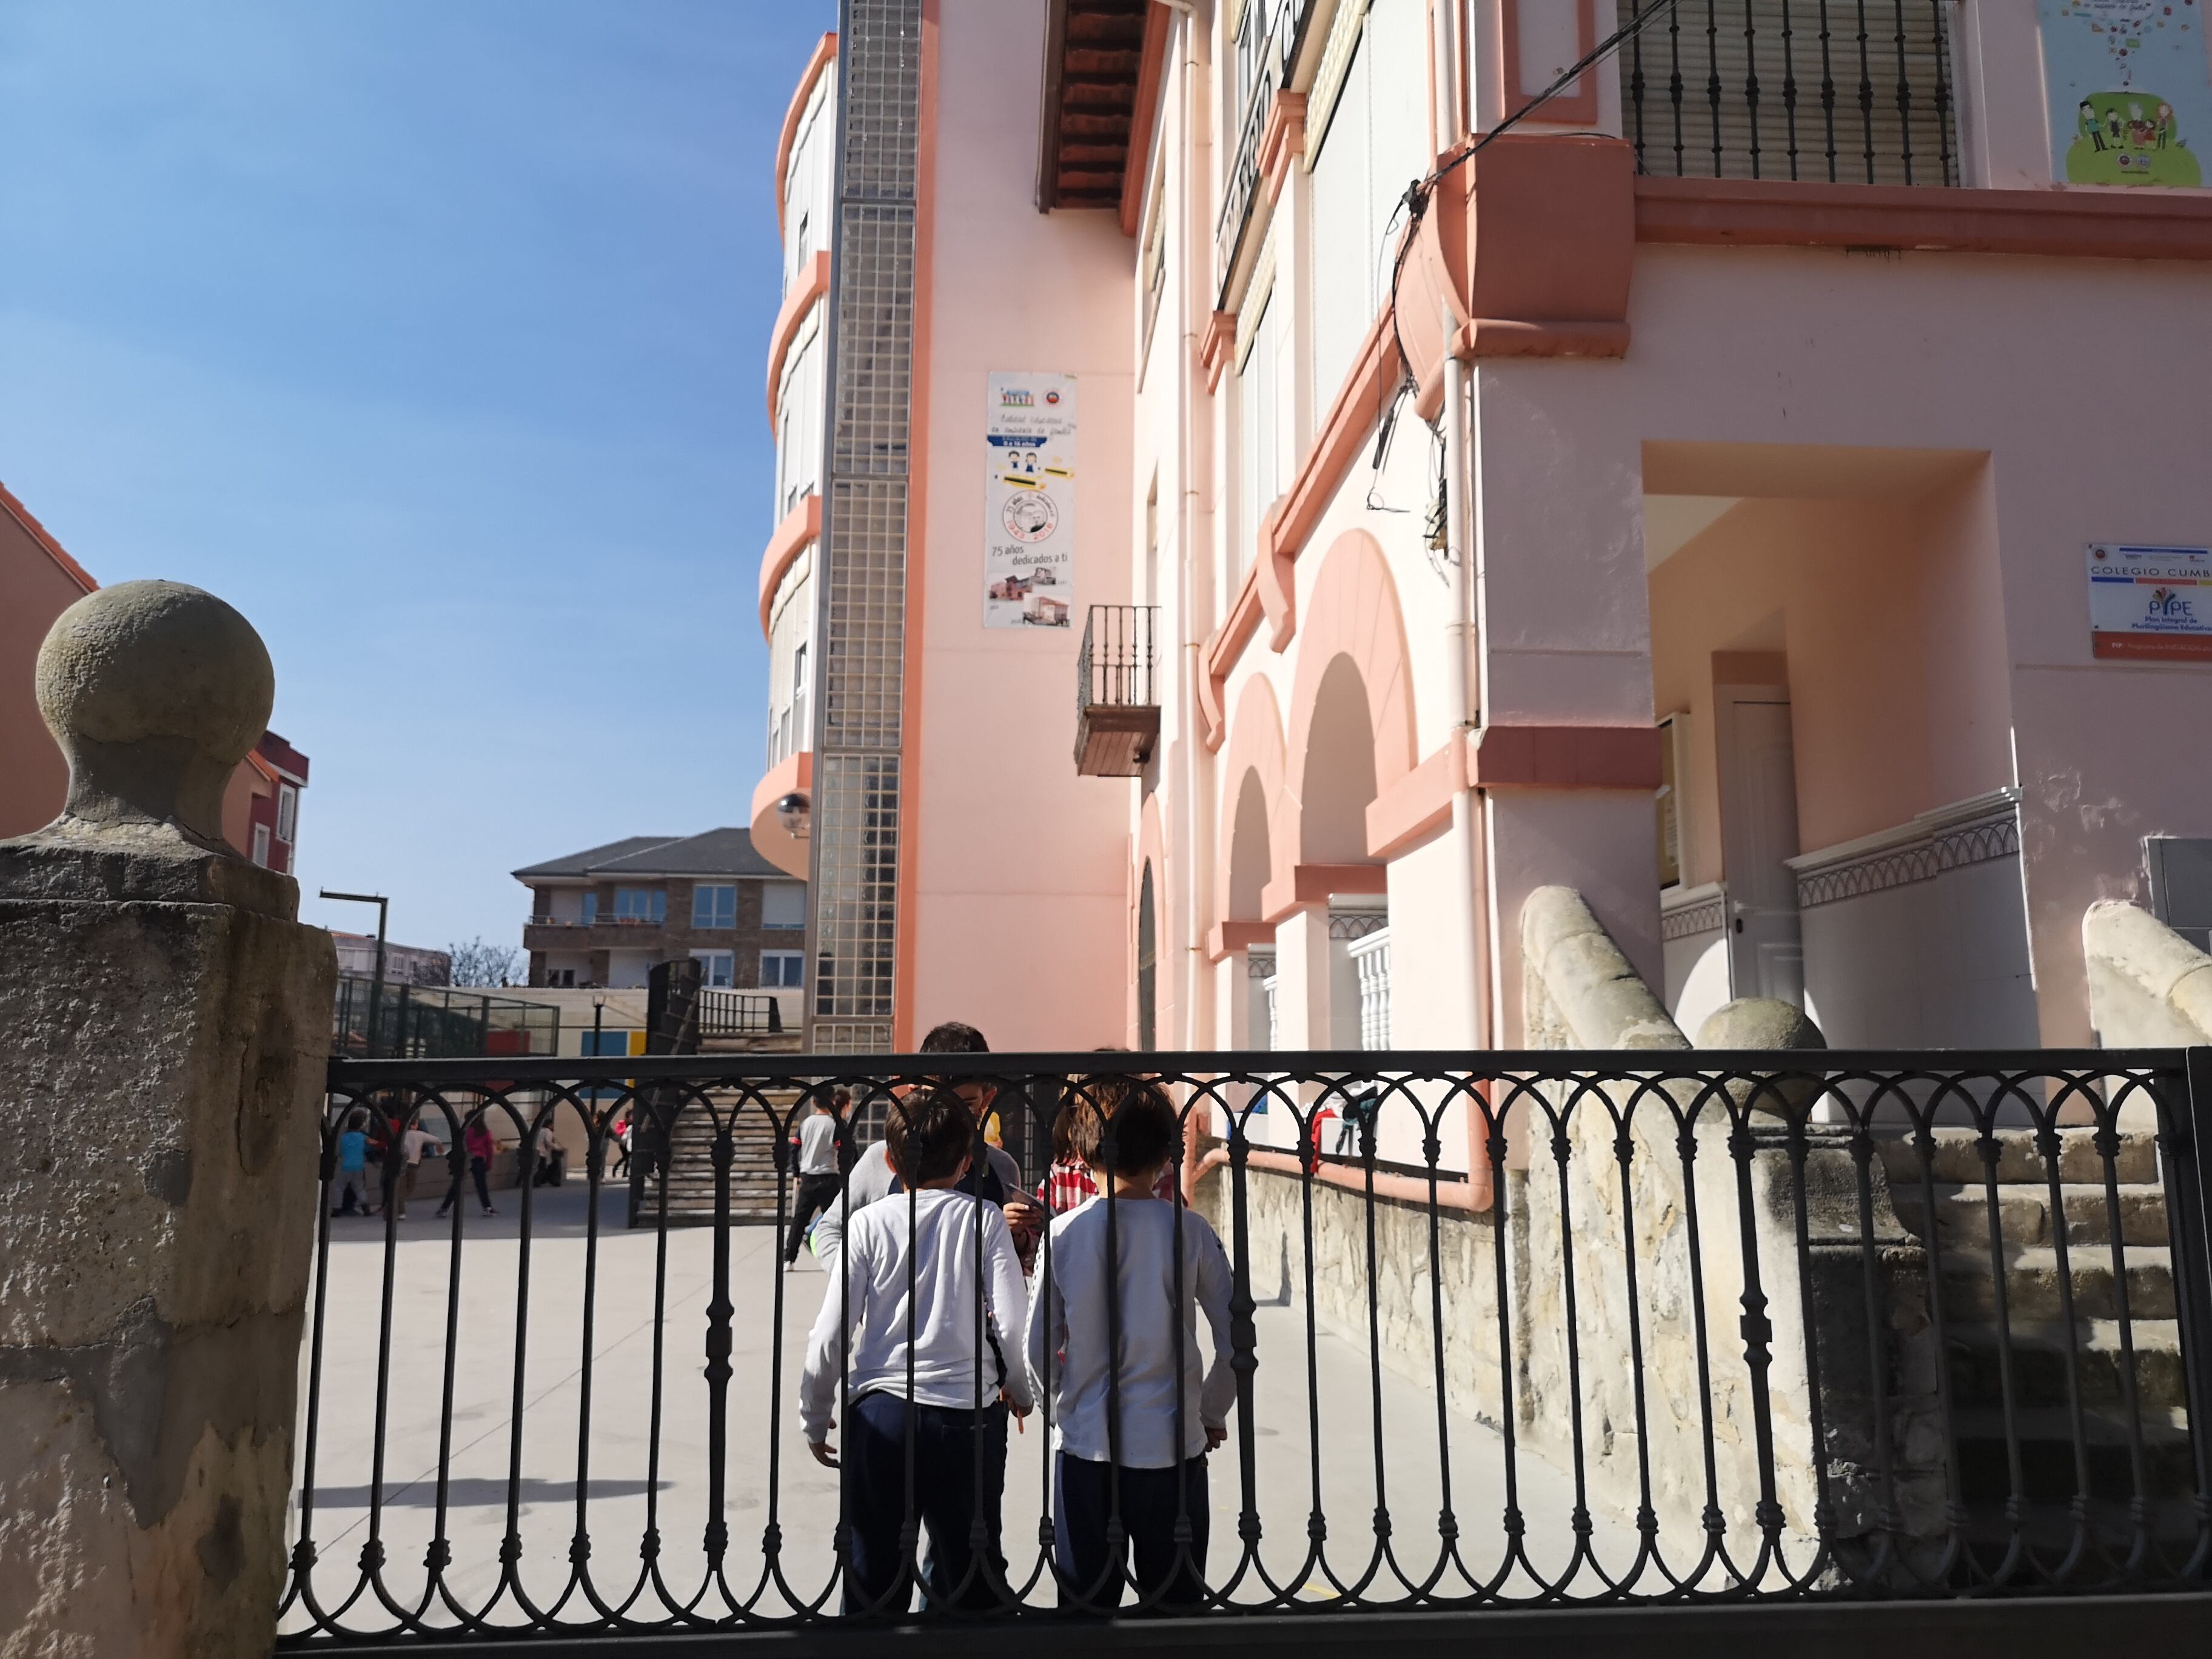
1758, 831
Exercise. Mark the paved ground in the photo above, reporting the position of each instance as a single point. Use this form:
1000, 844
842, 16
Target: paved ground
563, 1375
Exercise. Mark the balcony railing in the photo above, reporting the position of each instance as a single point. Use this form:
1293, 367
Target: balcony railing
738, 1013
1844, 91
1117, 713
1268, 35
1513, 1334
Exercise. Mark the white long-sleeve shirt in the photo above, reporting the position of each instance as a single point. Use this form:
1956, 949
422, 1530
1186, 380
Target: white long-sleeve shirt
1067, 1331
870, 1183
865, 1328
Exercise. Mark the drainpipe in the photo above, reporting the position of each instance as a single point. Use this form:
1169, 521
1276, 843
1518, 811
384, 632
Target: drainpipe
1469, 943
1459, 687
1195, 1012
1460, 697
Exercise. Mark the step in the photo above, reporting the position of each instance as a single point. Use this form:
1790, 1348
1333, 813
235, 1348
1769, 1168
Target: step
2045, 1438
2032, 1285
1956, 1158
2023, 1212
2038, 1364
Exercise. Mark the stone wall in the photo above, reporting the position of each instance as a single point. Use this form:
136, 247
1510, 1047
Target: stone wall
1697, 1186
1694, 1317
1411, 1283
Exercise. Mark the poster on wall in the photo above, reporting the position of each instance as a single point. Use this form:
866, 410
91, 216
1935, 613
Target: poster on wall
2130, 83
2151, 603
1029, 502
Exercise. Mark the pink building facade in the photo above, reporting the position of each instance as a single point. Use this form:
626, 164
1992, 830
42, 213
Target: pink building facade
1647, 503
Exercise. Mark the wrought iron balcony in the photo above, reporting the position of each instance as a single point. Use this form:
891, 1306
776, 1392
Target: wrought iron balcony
1838, 91
1117, 704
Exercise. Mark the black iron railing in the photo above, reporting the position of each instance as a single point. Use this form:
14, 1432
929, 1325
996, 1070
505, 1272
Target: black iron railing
738, 1013
1848, 91
1269, 35
394, 1019
1543, 1330
1115, 667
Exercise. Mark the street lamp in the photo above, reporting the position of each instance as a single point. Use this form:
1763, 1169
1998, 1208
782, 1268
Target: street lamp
375, 984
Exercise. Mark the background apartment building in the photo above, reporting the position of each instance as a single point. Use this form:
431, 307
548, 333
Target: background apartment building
1663, 499
606, 916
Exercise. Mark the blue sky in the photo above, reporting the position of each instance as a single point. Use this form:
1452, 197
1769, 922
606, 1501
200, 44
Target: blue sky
430, 333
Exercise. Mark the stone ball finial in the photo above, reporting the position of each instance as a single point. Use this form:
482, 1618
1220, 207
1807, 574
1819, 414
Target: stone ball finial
155, 691
1754, 1023
1759, 1023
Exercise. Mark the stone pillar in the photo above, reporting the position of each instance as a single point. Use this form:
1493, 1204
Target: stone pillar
167, 1022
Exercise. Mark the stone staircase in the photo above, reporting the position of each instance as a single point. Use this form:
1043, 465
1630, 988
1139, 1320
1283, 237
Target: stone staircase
753, 1162
2012, 1245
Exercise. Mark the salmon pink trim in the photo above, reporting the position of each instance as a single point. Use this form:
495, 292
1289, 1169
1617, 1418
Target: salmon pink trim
1566, 757
1144, 118
1473, 1194
906, 944
1418, 804
813, 283
1312, 883
825, 50
794, 772
1225, 645
1226, 936
2062, 223
800, 529
1284, 139
1217, 346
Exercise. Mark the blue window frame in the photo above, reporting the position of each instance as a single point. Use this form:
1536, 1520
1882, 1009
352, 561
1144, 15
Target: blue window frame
591, 908
783, 968
713, 906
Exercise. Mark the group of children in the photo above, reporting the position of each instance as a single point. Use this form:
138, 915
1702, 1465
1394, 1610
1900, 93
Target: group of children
943, 1319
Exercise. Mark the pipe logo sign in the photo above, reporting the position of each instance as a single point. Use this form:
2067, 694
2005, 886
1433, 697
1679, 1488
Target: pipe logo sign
1029, 500
2150, 602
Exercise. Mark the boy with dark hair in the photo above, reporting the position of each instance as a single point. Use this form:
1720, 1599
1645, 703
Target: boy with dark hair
953, 1388
1131, 1434
1000, 1179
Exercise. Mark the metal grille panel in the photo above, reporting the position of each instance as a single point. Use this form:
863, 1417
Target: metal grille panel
860, 619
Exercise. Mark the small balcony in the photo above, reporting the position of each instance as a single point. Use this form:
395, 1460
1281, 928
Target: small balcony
1117, 705
1851, 93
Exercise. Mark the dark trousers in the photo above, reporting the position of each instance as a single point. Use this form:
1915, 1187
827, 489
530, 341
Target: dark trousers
816, 1194
1148, 1519
947, 1501
477, 1168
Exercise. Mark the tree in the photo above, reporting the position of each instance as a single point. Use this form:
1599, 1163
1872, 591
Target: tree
480, 964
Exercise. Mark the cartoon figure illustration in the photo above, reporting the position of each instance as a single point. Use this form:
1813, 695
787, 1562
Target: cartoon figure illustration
2130, 136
